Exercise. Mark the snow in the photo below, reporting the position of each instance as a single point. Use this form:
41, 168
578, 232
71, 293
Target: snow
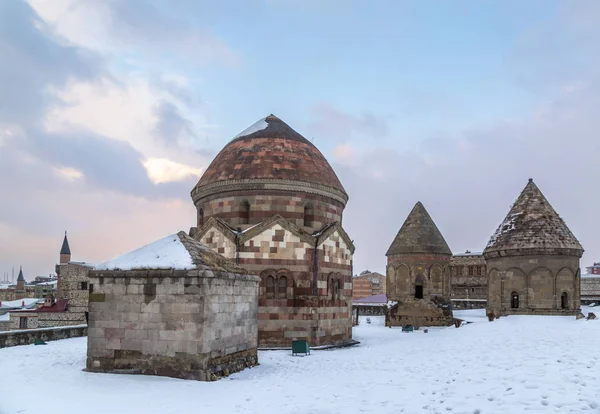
29, 303
166, 253
589, 276
391, 304
5, 317
51, 283
507, 226
255, 127
516, 364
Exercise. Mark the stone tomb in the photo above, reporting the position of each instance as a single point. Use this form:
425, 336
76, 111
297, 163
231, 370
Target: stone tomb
172, 308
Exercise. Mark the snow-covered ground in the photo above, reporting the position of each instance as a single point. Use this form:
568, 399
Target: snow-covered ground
517, 364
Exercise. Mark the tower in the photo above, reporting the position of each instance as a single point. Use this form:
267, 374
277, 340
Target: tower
65, 251
20, 280
418, 273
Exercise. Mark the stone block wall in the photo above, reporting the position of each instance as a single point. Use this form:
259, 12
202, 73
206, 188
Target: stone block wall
590, 290
275, 243
74, 285
28, 337
195, 324
538, 281
218, 242
264, 204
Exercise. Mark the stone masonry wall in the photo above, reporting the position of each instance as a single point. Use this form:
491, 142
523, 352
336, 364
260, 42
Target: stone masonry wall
186, 324
28, 336
538, 281
74, 285
218, 242
264, 205
590, 289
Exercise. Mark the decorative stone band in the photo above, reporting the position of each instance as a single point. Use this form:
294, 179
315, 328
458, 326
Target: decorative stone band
533, 251
198, 193
162, 273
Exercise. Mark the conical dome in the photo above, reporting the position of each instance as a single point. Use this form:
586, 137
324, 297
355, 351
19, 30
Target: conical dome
419, 234
270, 150
533, 226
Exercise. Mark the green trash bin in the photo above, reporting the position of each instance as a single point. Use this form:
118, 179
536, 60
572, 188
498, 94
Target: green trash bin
300, 347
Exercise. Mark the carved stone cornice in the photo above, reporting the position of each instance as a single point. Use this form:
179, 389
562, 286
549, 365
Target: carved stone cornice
270, 184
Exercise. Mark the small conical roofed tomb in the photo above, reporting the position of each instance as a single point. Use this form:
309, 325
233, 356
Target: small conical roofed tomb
533, 260
172, 308
418, 274
271, 202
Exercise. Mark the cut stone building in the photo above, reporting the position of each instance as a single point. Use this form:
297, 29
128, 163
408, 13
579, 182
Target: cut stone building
533, 260
271, 202
172, 308
590, 288
469, 280
418, 274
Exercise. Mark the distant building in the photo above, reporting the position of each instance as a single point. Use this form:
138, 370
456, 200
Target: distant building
20, 290
469, 280
594, 269
371, 305
367, 284
590, 288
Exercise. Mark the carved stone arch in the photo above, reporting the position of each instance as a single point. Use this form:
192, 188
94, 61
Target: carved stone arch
402, 281
420, 285
541, 283
390, 281
436, 279
565, 288
268, 281
340, 285
517, 282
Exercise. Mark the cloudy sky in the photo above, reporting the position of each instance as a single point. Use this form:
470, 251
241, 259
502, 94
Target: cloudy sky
111, 109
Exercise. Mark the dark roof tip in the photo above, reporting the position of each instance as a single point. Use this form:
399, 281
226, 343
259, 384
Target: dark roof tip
65, 249
531, 180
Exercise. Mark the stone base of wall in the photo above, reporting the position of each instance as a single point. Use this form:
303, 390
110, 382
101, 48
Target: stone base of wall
420, 313
547, 312
28, 336
184, 366
468, 304
228, 364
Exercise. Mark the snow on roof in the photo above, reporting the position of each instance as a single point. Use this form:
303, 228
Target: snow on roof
29, 303
468, 253
166, 253
5, 317
255, 127
51, 283
589, 276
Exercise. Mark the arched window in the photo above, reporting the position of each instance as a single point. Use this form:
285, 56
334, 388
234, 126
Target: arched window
514, 300
564, 300
419, 287
338, 289
200, 217
244, 212
282, 287
270, 286
333, 289
309, 215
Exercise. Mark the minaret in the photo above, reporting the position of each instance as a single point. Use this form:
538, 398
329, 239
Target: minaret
21, 280
65, 251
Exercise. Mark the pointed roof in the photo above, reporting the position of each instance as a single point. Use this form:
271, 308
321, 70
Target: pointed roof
532, 223
176, 251
20, 278
65, 249
419, 234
